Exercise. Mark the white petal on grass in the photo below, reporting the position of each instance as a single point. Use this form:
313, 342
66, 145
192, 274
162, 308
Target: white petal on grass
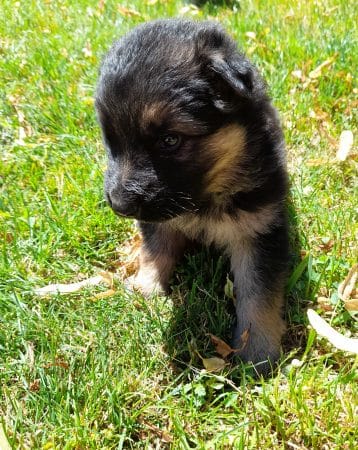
345, 145
337, 339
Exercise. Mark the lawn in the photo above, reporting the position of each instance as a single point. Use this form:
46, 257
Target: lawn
82, 371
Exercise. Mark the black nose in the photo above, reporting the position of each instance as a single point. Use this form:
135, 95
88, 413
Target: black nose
123, 206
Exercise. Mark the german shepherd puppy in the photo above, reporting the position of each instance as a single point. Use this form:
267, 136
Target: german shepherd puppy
196, 153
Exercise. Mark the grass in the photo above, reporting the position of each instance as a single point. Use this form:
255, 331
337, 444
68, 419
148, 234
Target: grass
122, 372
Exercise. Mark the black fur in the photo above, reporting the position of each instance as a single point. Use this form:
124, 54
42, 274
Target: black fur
180, 82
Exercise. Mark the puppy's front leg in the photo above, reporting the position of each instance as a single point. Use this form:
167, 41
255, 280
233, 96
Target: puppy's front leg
259, 266
161, 248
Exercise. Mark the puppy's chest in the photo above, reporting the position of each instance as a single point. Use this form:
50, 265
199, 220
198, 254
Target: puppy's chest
226, 231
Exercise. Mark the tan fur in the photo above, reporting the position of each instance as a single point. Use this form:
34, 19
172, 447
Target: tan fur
225, 147
153, 274
228, 230
152, 114
156, 268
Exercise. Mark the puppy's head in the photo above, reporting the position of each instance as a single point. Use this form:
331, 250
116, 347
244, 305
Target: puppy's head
173, 99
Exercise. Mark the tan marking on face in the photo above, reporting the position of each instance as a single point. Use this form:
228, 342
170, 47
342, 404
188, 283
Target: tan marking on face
152, 114
225, 147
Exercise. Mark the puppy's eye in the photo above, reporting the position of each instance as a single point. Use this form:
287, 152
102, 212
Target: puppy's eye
169, 141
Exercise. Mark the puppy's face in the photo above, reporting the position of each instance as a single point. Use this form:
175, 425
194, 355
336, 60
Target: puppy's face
166, 100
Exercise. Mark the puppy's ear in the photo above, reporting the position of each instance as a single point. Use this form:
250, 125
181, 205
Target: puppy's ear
231, 75
237, 74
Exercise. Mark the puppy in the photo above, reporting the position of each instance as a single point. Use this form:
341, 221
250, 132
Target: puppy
196, 153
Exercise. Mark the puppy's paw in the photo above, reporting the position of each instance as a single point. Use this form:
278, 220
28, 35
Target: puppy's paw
144, 284
263, 351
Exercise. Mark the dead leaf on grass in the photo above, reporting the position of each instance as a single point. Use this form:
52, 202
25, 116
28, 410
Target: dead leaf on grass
61, 288
317, 72
337, 339
345, 145
128, 12
324, 303
351, 305
347, 287
129, 257
221, 347
34, 386
163, 435
105, 294
58, 362
224, 349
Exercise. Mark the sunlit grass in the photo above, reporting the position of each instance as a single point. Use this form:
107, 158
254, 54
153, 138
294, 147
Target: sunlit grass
122, 372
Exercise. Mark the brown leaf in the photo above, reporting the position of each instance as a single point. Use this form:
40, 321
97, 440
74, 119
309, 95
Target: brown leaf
326, 245
163, 435
129, 256
346, 288
351, 305
105, 294
34, 386
317, 72
57, 363
324, 303
221, 347
128, 12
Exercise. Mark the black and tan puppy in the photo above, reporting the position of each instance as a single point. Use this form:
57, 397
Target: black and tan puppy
196, 153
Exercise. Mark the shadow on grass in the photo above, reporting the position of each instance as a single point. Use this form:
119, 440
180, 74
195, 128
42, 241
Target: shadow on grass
201, 306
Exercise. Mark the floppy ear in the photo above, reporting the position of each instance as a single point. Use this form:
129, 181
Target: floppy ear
237, 74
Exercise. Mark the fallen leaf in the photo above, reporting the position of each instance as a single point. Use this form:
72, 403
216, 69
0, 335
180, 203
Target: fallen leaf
128, 12
317, 72
345, 145
163, 435
104, 294
326, 244
351, 305
57, 363
129, 256
324, 303
337, 339
346, 288
34, 386
221, 347
244, 338
60, 288
213, 364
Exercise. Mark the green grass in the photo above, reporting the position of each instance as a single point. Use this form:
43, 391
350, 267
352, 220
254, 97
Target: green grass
122, 372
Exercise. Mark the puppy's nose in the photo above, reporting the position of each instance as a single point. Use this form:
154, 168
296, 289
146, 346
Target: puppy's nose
123, 206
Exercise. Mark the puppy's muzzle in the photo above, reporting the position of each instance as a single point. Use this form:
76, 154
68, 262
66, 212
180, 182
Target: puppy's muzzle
124, 205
